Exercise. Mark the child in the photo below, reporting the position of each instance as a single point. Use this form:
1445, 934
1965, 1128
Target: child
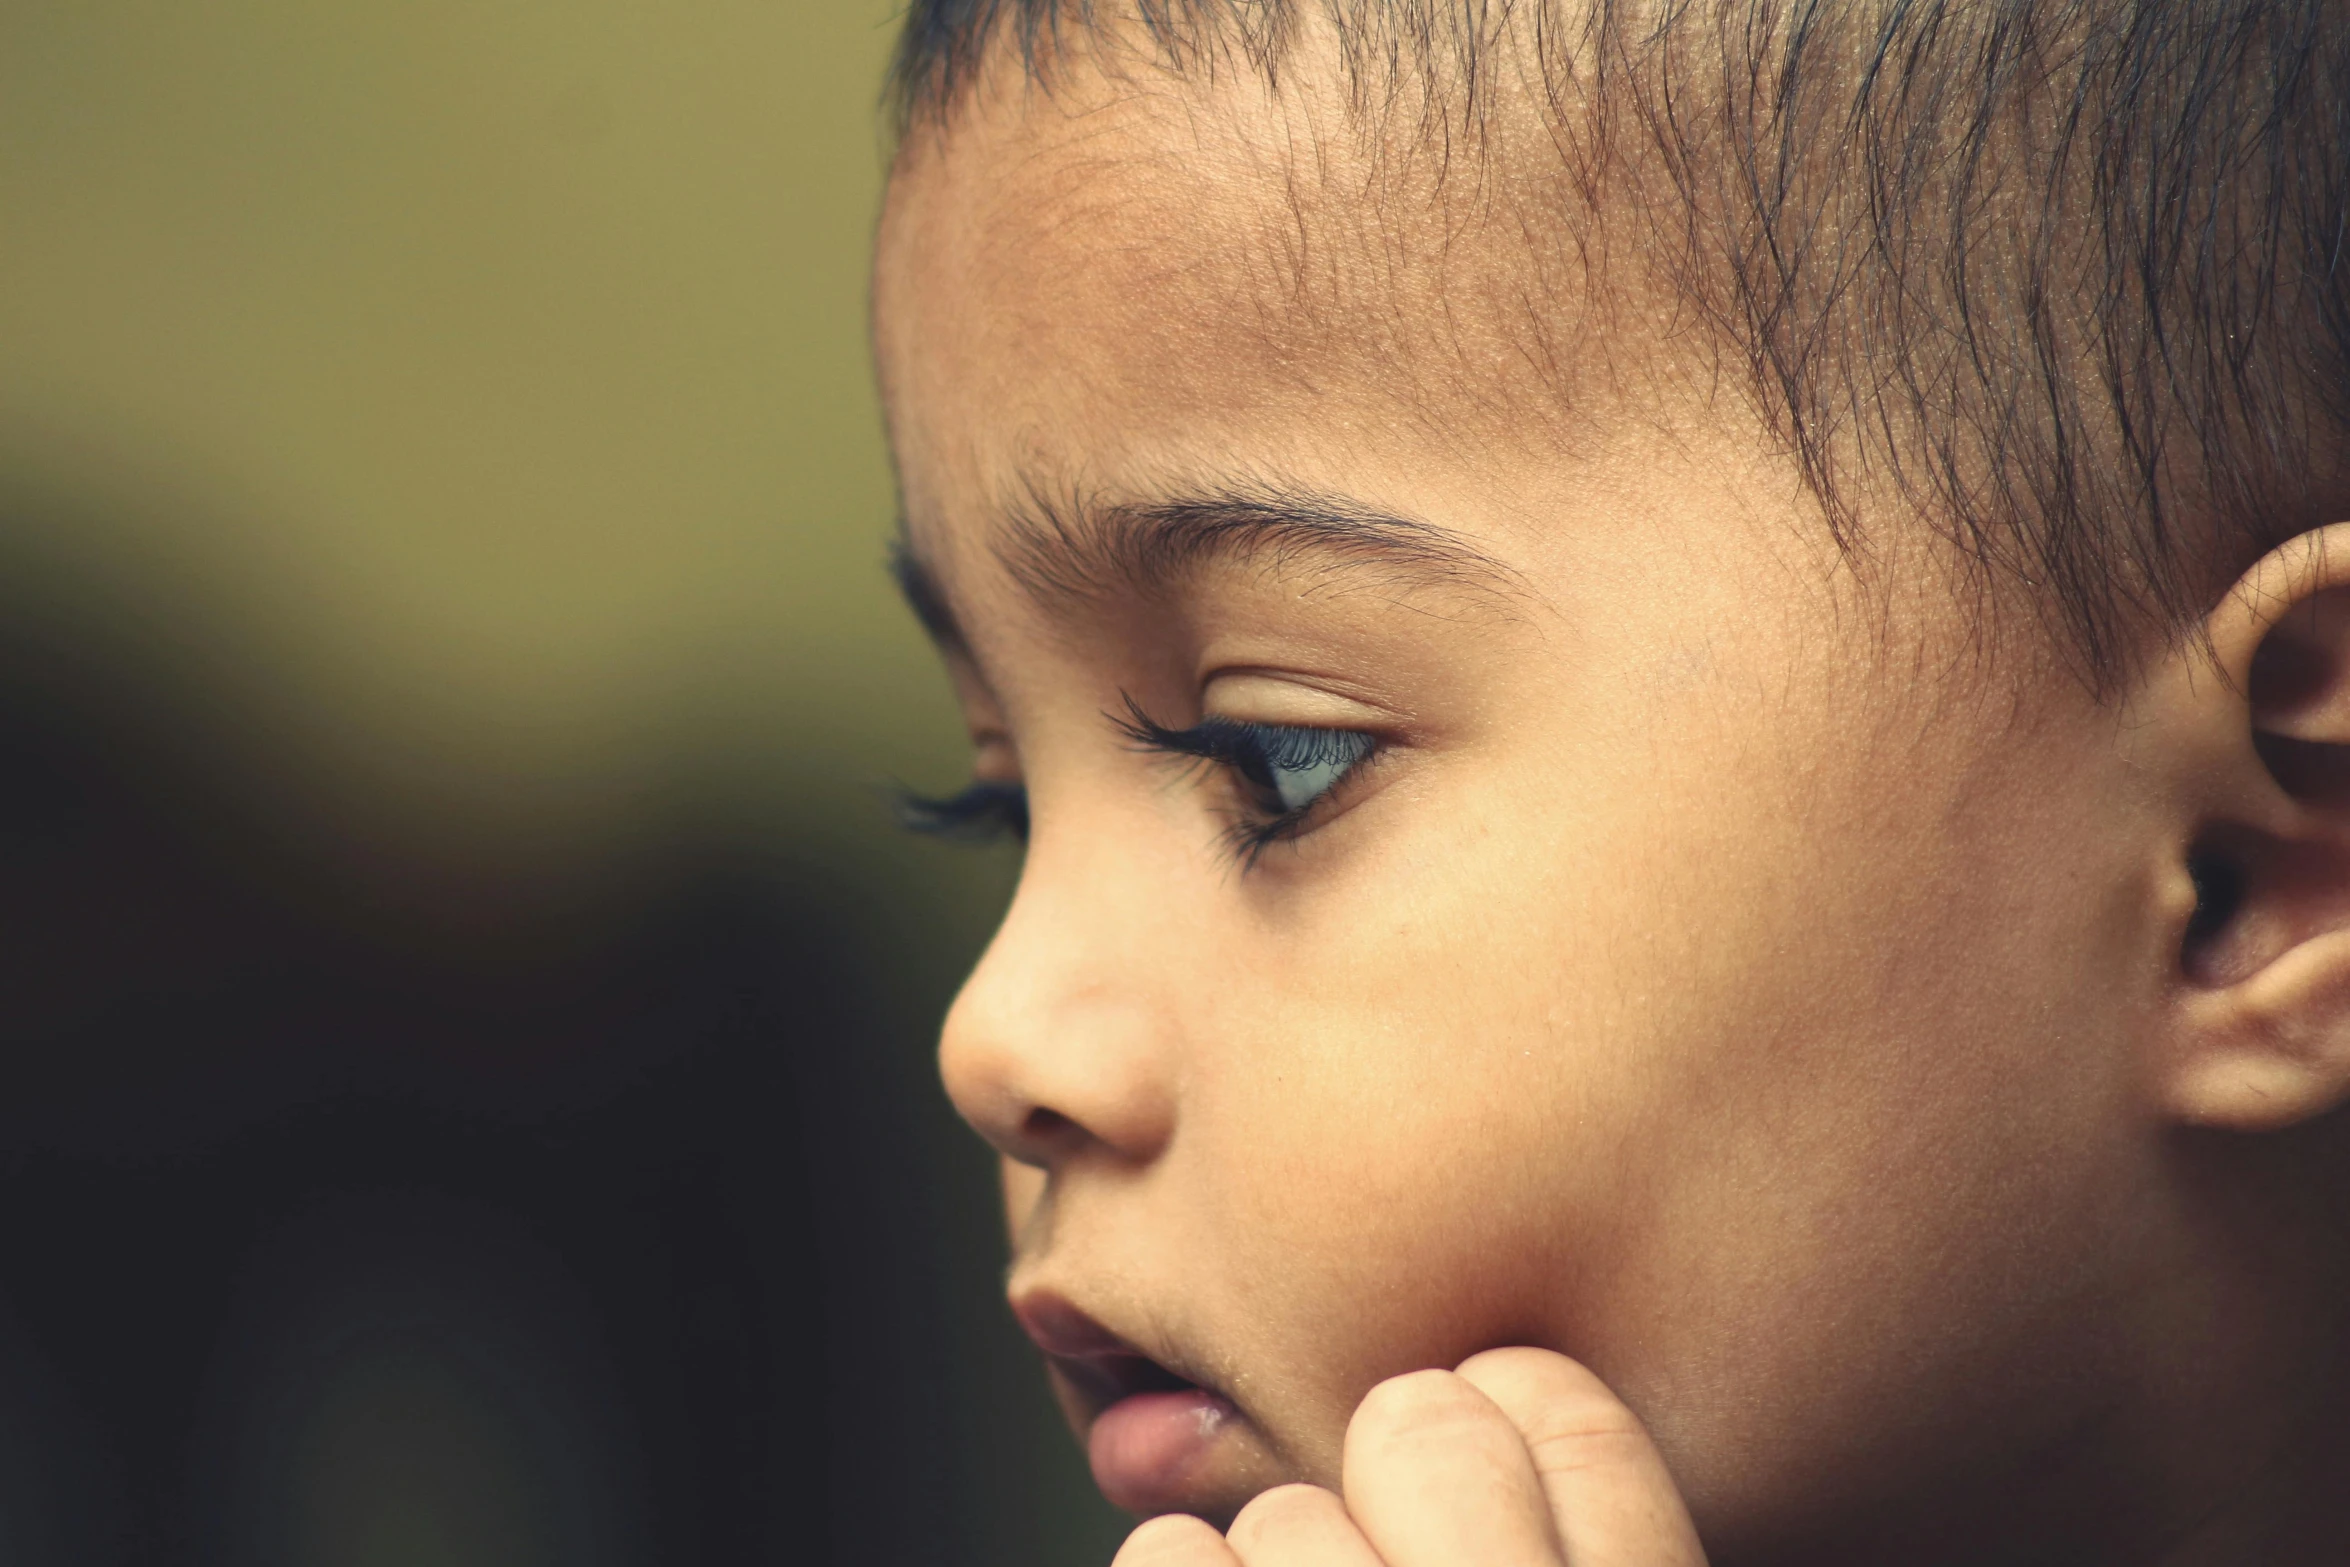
1678, 678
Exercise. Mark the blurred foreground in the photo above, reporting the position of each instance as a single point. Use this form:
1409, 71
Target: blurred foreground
465, 1084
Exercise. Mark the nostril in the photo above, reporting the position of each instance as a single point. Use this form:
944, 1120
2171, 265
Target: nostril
1042, 1126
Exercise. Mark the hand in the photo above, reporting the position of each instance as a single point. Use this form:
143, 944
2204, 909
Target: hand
1521, 1458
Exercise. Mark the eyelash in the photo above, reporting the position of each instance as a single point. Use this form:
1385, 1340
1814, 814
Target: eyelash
985, 812
1253, 754
988, 811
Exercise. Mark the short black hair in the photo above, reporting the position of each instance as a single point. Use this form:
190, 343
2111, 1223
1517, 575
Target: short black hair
2070, 273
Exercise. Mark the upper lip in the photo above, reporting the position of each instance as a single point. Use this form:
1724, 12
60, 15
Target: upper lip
1097, 1363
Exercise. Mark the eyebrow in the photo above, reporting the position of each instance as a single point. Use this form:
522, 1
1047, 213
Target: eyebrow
1075, 551
1070, 552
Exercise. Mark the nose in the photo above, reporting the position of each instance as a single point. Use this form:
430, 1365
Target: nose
1063, 1040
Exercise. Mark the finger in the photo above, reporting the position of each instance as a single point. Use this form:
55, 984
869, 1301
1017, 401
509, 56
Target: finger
1612, 1500
1436, 1476
1175, 1540
1299, 1526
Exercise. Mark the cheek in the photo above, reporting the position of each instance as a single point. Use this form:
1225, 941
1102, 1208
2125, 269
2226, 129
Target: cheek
1856, 1059
1706, 1087
1409, 1145
1358, 1236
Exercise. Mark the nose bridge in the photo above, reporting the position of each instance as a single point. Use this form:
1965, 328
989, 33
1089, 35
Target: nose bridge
1064, 1035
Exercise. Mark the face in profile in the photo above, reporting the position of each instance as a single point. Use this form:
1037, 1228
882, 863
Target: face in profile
1495, 875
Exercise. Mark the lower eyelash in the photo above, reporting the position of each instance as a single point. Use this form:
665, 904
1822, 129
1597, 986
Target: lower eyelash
1249, 840
982, 813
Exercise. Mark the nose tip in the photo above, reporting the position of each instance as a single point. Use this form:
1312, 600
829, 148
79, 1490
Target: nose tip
1046, 1061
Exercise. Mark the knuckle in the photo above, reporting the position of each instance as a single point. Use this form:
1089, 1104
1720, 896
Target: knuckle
1524, 1366
1416, 1408
1553, 1401
1583, 1434
1281, 1515
1594, 1434
1174, 1540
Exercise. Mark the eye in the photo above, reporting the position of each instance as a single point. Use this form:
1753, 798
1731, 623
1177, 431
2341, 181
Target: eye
1290, 768
1282, 770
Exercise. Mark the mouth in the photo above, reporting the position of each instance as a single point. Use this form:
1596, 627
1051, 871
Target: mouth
1150, 1434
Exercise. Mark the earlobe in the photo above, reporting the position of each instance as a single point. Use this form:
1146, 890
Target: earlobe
2263, 1016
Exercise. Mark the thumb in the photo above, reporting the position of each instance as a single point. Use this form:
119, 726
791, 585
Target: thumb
1611, 1498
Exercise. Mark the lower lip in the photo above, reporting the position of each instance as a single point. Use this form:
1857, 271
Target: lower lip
1145, 1446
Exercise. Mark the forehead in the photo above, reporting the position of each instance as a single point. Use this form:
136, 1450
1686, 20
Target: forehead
1103, 276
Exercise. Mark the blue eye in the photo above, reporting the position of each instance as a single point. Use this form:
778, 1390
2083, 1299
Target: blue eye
1293, 767
1283, 770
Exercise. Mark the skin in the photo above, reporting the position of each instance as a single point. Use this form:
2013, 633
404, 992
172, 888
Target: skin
1766, 982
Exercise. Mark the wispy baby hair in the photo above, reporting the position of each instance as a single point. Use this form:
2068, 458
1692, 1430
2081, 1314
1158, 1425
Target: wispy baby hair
2067, 275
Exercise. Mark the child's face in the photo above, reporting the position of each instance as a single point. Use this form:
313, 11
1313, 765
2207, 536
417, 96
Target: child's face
1717, 971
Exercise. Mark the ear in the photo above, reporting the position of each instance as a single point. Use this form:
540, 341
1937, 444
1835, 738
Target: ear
2262, 1031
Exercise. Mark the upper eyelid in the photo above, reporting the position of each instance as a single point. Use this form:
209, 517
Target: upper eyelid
1320, 702
1138, 725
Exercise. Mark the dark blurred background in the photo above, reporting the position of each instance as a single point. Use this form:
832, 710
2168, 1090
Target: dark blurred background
465, 1013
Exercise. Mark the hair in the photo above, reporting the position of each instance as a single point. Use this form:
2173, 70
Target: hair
2069, 274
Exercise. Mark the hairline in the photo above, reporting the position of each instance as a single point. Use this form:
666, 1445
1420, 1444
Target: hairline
1854, 204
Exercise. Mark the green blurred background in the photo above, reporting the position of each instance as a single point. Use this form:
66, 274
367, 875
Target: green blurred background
466, 1084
